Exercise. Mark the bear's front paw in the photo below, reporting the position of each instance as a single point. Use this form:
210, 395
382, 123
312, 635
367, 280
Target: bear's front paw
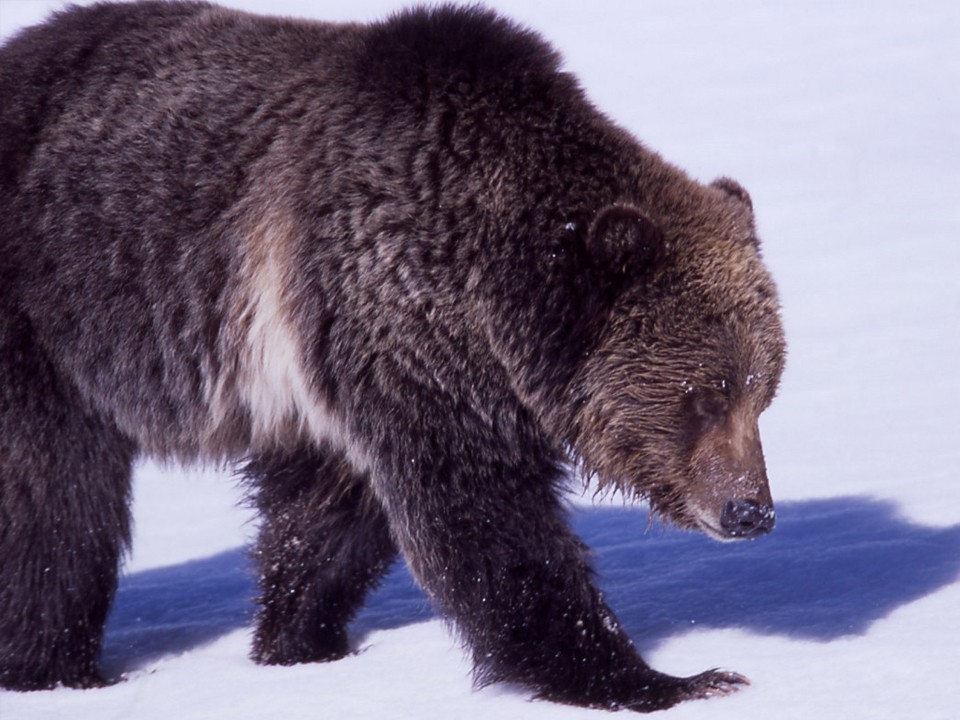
665, 691
293, 646
711, 684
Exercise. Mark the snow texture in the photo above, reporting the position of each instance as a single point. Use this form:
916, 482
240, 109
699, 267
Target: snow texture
843, 120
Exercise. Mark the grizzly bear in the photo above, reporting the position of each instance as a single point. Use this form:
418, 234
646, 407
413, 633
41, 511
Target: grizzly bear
406, 275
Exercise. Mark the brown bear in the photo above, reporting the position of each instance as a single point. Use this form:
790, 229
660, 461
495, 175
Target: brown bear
407, 275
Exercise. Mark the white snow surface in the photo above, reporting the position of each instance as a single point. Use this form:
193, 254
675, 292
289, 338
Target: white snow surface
843, 120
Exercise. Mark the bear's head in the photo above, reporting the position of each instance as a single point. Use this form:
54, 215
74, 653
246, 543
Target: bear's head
690, 353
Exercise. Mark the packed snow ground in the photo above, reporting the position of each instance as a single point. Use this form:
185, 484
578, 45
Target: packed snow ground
843, 120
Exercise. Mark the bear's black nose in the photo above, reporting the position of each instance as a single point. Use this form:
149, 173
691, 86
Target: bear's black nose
747, 518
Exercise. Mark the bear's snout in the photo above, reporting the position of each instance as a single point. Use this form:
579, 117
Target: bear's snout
747, 518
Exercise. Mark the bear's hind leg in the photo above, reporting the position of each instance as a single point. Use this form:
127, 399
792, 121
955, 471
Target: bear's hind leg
64, 520
323, 545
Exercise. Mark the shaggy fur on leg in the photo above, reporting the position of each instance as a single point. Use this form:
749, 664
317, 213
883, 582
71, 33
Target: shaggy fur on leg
324, 543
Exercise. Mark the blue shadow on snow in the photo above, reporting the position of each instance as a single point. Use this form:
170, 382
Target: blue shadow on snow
831, 569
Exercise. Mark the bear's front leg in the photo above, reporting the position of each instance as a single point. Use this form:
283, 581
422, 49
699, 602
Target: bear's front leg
480, 521
323, 544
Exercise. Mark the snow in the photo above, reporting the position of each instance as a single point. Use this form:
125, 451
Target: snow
843, 120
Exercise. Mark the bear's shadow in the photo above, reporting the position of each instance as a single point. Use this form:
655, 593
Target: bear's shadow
831, 569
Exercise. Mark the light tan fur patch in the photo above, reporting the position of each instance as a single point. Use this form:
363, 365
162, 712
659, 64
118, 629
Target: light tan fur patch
265, 374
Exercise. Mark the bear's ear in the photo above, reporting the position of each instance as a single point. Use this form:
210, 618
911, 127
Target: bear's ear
624, 241
734, 190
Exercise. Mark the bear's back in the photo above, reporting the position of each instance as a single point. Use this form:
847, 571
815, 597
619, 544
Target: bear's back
191, 155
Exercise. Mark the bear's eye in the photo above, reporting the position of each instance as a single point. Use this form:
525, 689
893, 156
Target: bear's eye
705, 409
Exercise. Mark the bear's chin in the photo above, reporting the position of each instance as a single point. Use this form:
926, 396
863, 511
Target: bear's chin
692, 518
711, 528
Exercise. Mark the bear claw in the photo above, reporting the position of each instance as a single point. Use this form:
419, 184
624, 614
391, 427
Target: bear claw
713, 683
670, 690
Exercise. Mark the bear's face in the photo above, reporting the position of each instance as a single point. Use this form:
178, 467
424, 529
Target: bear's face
692, 353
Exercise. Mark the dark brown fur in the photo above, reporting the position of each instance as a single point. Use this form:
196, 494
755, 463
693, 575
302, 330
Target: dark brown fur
408, 273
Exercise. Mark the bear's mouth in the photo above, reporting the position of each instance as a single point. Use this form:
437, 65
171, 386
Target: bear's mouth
711, 530
738, 519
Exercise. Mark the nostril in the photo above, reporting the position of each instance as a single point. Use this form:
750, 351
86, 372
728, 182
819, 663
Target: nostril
747, 518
